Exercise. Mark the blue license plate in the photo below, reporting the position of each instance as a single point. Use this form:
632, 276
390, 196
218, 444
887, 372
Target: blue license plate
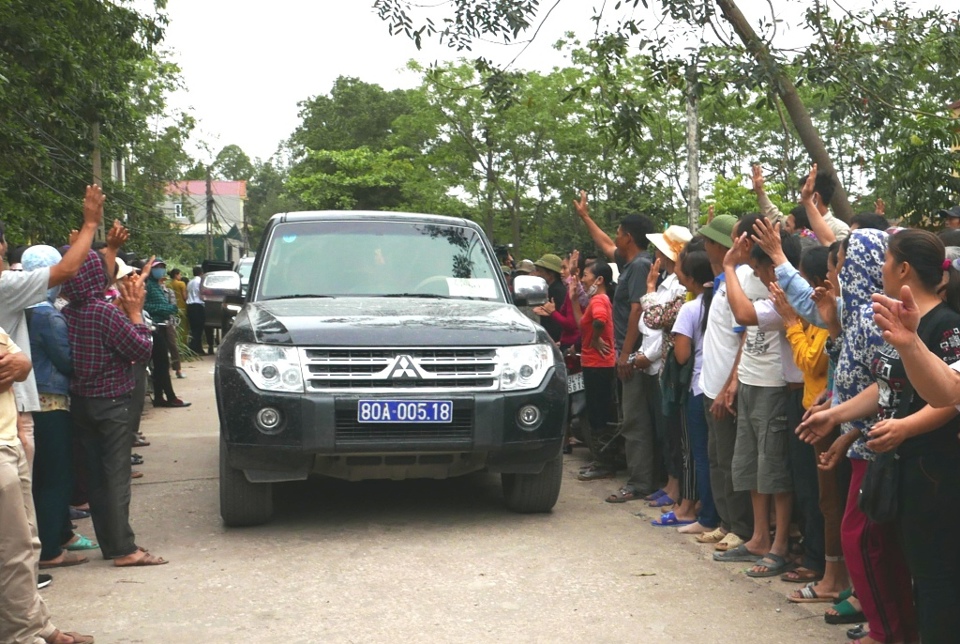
404, 411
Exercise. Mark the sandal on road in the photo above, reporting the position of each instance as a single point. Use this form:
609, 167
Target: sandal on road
714, 536
846, 614
774, 564
623, 495
656, 495
146, 560
662, 502
738, 555
729, 542
65, 560
669, 520
807, 595
801, 575
80, 542
61, 637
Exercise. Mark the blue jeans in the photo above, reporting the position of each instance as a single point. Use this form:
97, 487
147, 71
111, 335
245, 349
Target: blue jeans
696, 422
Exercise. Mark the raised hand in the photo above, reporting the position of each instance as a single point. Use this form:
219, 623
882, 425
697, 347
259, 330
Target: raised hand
117, 236
93, 205
767, 236
806, 193
581, 206
826, 300
710, 212
898, 319
653, 275
756, 178
783, 307
879, 207
734, 256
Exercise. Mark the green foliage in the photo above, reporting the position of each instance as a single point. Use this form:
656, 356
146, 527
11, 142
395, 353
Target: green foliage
66, 65
233, 164
733, 197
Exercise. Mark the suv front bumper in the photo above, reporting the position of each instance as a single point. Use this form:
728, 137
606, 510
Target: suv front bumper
319, 432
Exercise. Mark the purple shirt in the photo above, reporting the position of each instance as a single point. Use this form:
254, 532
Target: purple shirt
104, 342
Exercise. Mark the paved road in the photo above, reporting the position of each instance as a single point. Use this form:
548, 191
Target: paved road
416, 561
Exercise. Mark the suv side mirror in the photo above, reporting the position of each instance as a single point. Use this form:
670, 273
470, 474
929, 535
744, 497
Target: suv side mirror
529, 290
231, 306
217, 285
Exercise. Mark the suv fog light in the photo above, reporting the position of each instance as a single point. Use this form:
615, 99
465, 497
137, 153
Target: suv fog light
268, 420
529, 417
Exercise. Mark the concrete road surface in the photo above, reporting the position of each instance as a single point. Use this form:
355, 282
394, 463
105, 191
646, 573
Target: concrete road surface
415, 561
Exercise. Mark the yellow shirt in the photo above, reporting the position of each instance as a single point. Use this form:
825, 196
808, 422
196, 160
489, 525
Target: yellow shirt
809, 355
8, 404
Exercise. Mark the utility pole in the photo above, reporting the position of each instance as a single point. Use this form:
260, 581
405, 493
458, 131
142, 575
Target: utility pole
98, 174
209, 215
693, 148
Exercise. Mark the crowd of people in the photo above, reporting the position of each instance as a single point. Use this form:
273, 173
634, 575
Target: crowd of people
743, 381
79, 326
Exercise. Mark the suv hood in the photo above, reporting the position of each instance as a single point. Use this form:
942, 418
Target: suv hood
379, 322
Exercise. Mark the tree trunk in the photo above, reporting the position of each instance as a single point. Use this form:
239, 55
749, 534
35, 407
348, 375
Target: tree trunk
491, 178
693, 150
785, 89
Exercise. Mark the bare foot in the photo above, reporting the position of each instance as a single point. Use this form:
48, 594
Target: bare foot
694, 528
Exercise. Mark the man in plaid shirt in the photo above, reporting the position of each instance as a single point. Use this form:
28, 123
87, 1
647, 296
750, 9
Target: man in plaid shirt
105, 341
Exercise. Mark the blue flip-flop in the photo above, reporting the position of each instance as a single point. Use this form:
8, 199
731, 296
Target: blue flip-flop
661, 501
656, 495
669, 520
82, 543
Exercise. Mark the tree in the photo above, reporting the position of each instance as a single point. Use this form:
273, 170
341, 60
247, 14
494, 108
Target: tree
67, 66
851, 58
232, 164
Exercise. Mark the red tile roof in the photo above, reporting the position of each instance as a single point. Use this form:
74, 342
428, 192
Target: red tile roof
199, 188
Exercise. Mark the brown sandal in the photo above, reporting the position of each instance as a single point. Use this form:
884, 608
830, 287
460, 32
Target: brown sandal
75, 638
67, 558
146, 560
801, 576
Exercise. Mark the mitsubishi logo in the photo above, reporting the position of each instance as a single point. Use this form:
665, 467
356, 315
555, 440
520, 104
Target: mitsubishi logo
403, 368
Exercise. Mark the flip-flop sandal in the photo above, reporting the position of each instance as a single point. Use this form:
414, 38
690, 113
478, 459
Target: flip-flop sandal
146, 560
807, 595
656, 495
738, 554
623, 495
847, 614
801, 575
729, 542
668, 520
82, 543
774, 564
75, 638
714, 536
662, 502
69, 559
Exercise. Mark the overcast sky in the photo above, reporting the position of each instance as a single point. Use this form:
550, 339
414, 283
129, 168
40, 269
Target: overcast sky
247, 63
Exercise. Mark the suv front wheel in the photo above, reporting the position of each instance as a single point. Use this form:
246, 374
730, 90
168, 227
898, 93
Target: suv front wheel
242, 503
531, 493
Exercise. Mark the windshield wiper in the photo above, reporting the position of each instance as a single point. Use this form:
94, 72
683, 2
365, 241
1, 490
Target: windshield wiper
428, 296
296, 296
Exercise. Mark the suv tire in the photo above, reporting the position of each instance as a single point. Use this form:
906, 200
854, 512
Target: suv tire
531, 493
242, 503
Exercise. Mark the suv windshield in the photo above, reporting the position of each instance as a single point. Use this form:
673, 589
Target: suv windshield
382, 258
244, 267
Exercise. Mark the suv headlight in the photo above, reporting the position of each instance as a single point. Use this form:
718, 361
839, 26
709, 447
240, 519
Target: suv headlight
271, 367
524, 367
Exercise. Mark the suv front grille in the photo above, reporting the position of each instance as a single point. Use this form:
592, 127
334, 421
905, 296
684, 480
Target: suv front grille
392, 370
351, 432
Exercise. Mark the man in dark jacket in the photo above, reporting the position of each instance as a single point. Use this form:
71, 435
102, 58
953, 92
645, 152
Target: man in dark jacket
549, 268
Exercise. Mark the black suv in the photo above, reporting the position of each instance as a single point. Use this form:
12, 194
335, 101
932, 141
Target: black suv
385, 345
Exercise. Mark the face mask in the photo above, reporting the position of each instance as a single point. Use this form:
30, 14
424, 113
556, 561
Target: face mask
592, 290
158, 273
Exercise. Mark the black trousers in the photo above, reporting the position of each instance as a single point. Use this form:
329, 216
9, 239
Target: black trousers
138, 398
162, 386
196, 317
598, 384
104, 426
53, 480
806, 486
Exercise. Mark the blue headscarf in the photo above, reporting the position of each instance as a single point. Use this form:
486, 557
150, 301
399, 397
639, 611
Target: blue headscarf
42, 256
860, 277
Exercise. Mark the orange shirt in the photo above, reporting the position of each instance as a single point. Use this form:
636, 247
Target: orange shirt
598, 310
